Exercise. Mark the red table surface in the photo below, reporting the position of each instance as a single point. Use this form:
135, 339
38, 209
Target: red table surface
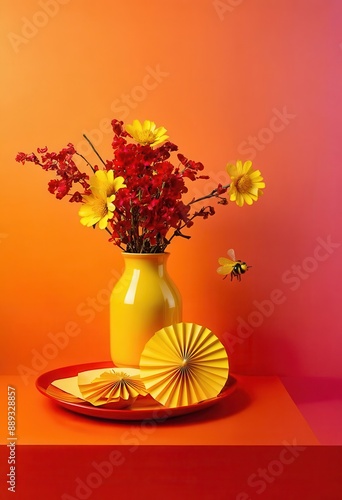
259, 412
255, 442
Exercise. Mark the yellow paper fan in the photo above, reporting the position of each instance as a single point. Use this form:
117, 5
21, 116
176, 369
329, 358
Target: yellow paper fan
120, 386
62, 395
183, 364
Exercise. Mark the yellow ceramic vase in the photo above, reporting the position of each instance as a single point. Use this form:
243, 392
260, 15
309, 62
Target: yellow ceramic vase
143, 301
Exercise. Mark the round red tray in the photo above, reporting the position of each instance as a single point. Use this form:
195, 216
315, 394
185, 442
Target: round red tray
143, 408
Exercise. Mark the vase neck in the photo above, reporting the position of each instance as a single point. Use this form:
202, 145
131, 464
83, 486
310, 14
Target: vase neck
156, 261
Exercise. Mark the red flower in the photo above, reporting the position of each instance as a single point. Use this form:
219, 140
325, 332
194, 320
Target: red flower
22, 158
77, 197
220, 189
59, 187
150, 205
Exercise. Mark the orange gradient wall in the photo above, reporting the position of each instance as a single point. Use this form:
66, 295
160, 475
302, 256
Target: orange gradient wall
228, 79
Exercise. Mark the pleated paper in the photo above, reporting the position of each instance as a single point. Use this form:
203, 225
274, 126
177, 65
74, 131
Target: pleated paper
183, 364
112, 386
115, 388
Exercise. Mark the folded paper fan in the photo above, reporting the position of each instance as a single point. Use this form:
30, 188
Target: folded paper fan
117, 387
183, 364
61, 395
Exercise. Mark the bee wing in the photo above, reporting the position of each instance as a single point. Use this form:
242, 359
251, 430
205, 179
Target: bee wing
231, 254
226, 262
226, 266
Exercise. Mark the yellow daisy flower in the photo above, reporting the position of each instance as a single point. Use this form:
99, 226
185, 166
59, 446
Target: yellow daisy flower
147, 133
246, 183
104, 183
96, 209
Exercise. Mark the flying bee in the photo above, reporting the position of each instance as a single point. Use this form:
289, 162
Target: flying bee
232, 266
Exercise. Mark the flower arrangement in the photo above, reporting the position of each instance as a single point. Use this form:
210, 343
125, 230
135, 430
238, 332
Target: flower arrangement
137, 195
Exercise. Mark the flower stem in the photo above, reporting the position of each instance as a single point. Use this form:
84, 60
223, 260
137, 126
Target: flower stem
210, 195
108, 231
93, 148
87, 162
177, 231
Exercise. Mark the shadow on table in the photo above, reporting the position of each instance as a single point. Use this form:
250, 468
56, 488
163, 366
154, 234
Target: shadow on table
235, 402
